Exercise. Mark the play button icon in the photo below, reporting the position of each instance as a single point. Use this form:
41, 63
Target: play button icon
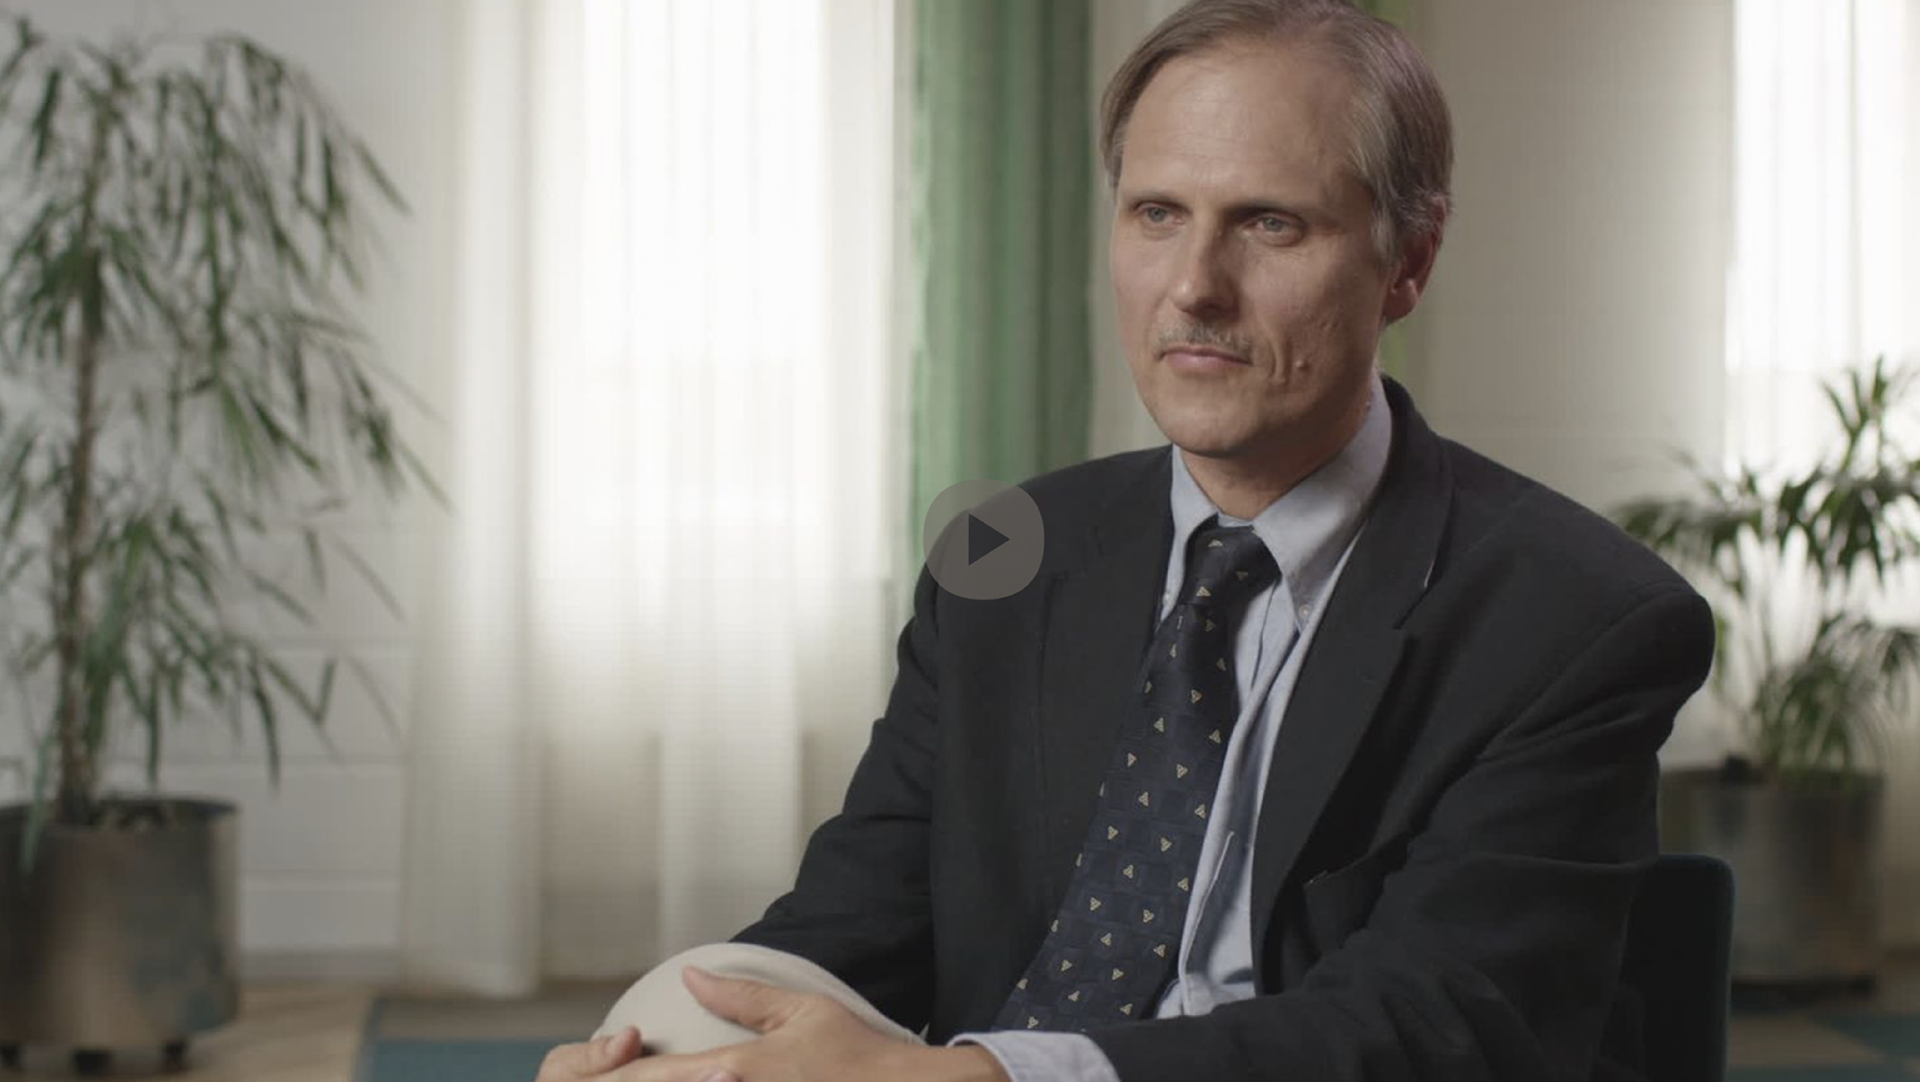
983, 539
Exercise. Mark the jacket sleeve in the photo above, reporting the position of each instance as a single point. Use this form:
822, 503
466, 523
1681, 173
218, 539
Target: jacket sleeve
1491, 950
860, 906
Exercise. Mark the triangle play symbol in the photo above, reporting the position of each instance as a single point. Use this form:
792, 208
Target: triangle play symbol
981, 539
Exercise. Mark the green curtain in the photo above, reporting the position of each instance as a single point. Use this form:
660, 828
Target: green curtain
1002, 185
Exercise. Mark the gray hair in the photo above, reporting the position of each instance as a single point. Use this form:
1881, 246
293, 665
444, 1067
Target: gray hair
1401, 137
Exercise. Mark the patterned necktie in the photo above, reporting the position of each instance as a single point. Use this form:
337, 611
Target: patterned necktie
1113, 945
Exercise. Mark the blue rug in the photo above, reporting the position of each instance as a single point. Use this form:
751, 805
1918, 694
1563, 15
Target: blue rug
1896, 1037
1867, 1072
403, 1060
388, 1058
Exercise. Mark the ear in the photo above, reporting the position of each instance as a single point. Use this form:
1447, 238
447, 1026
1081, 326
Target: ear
1409, 280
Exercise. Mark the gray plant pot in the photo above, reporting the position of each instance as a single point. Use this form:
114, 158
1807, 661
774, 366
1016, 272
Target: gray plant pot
120, 937
1806, 867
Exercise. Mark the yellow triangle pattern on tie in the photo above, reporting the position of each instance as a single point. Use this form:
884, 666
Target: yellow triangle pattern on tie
1125, 874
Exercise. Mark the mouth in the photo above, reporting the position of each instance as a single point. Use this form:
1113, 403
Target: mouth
1185, 358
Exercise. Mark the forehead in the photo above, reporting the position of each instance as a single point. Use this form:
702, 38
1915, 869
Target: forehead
1270, 117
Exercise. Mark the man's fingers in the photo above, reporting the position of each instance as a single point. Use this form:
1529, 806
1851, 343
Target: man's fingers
618, 1047
591, 1058
759, 1007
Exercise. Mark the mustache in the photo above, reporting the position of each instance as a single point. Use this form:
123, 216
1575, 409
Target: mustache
1203, 335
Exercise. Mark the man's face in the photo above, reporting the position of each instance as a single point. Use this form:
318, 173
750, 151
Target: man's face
1250, 295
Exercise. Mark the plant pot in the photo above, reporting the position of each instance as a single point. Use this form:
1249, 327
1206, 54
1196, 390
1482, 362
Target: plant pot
120, 936
1806, 870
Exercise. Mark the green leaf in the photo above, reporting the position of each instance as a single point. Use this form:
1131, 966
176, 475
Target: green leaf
25, 43
375, 693
269, 718
283, 600
316, 559
42, 125
372, 578
379, 177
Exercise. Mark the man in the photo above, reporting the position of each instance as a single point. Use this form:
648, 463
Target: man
1394, 802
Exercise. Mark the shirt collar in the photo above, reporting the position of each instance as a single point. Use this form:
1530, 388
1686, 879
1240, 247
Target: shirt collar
1308, 529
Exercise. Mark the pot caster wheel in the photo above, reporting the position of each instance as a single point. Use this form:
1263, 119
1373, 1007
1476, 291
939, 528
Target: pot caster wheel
173, 1057
10, 1056
92, 1062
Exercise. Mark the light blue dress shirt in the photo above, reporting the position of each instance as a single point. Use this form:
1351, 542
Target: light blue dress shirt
1310, 531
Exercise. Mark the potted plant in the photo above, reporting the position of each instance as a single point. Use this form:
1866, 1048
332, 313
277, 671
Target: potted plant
1792, 563
182, 402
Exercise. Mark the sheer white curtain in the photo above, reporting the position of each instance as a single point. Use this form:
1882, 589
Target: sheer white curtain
1826, 270
661, 622
1826, 266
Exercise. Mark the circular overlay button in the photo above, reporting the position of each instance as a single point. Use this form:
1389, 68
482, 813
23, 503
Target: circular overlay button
983, 539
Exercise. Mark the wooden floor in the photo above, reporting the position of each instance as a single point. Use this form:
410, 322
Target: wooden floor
285, 1033
311, 1032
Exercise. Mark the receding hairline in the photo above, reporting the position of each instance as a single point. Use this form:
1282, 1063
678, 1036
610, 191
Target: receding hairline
1311, 39
1398, 136
1294, 189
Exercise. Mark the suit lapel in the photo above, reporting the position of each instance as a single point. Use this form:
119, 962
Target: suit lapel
1099, 620
1354, 653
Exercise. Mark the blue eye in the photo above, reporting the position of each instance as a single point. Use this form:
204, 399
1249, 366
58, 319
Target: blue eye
1156, 215
1273, 223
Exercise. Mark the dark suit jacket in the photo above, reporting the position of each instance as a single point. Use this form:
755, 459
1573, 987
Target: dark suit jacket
1460, 806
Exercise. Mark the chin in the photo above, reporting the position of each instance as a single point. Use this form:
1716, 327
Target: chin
1201, 432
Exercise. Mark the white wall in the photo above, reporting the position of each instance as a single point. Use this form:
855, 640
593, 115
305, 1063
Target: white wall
1574, 326
321, 857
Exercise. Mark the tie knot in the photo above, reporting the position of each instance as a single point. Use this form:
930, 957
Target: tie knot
1226, 565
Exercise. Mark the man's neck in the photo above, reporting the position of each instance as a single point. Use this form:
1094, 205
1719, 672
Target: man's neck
1245, 485
1239, 489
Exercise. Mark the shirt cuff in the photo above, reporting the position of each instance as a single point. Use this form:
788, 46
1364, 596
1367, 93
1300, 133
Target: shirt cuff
1044, 1057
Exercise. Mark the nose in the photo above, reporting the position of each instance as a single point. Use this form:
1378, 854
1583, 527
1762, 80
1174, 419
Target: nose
1205, 287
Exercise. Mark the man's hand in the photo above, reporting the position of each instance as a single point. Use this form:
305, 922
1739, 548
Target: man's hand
593, 1059
803, 1038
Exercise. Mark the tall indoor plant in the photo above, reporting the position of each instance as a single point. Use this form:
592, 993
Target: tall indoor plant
183, 400
1793, 563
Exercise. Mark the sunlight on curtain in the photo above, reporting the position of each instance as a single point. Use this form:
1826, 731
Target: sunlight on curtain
703, 481
1827, 235
710, 467
1825, 270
